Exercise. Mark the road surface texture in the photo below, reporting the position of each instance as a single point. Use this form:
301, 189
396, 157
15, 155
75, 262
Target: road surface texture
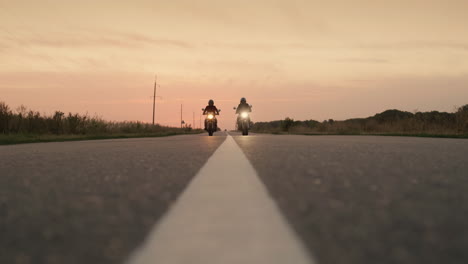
91, 201
356, 199
224, 218
254, 199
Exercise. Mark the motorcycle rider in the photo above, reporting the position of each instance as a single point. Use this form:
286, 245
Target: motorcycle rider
243, 107
211, 108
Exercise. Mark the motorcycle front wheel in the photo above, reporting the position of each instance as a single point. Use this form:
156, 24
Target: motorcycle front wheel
245, 129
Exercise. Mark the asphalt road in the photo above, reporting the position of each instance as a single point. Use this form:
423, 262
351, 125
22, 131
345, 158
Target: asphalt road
350, 199
356, 199
91, 201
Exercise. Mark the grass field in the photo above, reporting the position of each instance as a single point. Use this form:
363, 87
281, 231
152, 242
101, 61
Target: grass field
23, 125
369, 134
25, 138
388, 123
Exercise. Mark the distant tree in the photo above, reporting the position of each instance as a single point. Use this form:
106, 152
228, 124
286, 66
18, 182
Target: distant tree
392, 116
462, 119
74, 122
5, 117
463, 109
311, 123
22, 110
286, 124
57, 122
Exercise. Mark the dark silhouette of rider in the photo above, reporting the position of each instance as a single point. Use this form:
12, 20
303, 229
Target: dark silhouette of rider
243, 106
211, 108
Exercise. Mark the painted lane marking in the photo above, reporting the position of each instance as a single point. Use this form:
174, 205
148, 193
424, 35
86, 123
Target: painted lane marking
224, 216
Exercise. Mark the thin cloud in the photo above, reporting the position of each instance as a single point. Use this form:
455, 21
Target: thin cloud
267, 47
360, 80
82, 39
152, 41
363, 60
417, 45
117, 102
371, 46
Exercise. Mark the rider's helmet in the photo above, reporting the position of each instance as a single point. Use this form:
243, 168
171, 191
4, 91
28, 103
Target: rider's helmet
243, 100
210, 102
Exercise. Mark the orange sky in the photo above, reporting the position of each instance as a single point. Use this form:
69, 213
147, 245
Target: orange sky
304, 59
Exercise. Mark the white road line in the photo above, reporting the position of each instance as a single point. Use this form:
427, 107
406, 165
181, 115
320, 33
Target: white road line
224, 216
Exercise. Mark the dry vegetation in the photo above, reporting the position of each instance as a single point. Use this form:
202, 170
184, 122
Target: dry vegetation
390, 122
22, 125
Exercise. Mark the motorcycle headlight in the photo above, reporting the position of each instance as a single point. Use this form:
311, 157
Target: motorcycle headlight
210, 116
245, 115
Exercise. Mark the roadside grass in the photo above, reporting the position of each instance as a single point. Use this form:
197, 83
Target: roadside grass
275, 132
388, 123
13, 139
22, 125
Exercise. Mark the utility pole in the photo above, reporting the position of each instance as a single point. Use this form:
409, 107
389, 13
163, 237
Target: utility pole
181, 119
193, 120
154, 96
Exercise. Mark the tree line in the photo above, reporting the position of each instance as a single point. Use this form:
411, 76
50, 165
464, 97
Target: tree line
388, 122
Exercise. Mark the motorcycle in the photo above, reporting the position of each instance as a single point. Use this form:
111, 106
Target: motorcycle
243, 122
211, 122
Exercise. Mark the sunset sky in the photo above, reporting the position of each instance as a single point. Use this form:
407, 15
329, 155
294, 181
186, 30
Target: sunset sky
304, 59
